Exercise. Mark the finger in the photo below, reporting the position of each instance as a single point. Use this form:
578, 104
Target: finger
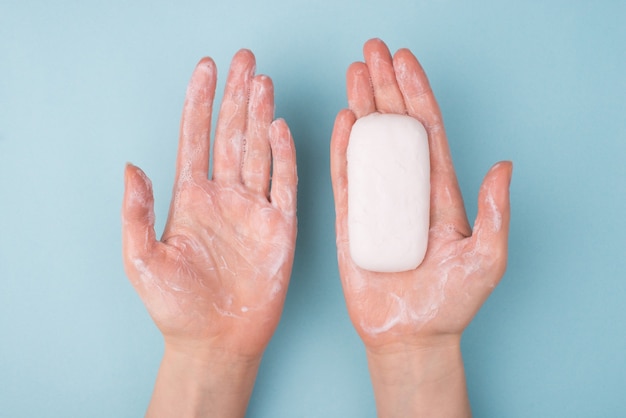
447, 206
491, 228
416, 91
195, 127
138, 236
387, 94
360, 90
284, 171
231, 124
257, 156
339, 172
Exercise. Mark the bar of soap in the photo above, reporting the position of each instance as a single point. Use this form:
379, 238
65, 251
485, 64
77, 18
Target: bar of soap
388, 192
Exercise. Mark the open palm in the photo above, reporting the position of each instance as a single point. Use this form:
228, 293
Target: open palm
218, 277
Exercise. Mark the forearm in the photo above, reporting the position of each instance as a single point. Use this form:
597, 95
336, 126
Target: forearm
211, 385
419, 382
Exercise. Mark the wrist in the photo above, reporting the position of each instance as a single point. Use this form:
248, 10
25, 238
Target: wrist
419, 380
200, 382
208, 356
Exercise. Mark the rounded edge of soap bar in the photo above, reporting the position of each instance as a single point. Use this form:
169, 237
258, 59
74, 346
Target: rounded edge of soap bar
367, 260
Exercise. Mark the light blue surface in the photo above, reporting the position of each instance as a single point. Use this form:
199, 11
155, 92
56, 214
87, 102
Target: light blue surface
87, 86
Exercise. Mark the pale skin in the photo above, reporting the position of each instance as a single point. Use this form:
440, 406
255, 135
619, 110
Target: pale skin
216, 281
411, 322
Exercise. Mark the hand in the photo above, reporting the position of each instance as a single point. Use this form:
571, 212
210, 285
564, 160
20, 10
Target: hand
216, 281
429, 307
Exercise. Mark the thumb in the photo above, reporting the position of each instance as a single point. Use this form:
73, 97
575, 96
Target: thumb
138, 236
491, 228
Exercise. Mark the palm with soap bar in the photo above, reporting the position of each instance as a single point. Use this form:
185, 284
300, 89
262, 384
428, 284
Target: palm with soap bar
411, 321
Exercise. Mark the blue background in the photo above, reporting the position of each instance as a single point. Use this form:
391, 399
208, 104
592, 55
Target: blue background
87, 86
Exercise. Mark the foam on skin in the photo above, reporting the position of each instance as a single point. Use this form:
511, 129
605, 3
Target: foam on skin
388, 192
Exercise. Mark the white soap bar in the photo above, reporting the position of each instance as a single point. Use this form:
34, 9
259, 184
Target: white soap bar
388, 192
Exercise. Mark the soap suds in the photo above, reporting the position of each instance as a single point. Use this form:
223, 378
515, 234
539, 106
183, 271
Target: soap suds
224, 312
420, 301
497, 216
276, 289
400, 313
225, 266
144, 273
